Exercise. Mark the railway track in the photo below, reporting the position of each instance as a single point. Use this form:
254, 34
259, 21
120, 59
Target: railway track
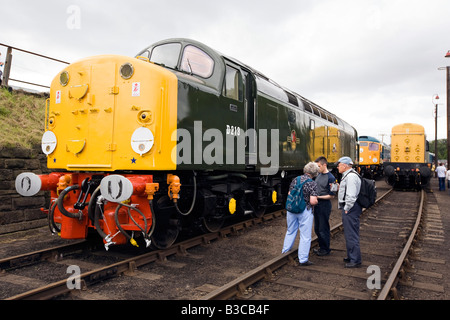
194, 270
387, 233
423, 274
48, 254
62, 255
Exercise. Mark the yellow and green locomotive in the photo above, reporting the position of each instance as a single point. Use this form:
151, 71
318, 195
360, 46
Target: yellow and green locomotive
409, 167
179, 137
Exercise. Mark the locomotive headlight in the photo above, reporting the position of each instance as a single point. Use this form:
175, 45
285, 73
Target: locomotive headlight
126, 70
48, 142
142, 140
64, 78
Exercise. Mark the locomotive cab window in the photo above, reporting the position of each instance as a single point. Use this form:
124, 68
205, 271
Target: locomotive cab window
166, 54
232, 87
374, 147
196, 61
145, 54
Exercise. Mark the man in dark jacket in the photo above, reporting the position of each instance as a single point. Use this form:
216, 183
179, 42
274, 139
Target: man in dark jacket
322, 210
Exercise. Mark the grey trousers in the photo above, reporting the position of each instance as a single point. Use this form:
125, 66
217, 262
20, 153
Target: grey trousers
350, 222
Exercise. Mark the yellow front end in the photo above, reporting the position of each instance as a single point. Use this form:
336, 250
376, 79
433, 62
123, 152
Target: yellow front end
369, 153
109, 113
408, 143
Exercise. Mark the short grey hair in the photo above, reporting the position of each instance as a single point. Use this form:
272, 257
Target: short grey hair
311, 168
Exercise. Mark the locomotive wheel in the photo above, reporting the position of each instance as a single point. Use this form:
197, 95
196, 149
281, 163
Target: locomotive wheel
167, 226
257, 208
213, 223
164, 237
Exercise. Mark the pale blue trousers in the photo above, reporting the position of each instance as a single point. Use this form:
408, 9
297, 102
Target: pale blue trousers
303, 222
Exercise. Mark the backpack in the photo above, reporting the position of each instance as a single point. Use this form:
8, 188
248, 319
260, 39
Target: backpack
295, 202
368, 192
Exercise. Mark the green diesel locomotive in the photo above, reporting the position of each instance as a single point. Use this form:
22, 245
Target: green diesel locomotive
178, 138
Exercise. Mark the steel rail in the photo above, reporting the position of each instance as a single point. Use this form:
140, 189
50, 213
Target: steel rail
393, 277
265, 270
33, 257
129, 265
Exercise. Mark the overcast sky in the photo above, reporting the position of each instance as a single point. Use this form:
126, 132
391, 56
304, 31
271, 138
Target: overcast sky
372, 63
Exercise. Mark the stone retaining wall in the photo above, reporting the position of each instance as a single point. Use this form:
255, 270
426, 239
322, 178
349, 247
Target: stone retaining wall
17, 212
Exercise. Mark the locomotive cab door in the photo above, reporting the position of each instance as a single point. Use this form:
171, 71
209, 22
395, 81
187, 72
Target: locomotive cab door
250, 118
233, 114
239, 98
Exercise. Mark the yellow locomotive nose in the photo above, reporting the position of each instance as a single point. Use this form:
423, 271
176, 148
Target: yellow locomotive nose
111, 112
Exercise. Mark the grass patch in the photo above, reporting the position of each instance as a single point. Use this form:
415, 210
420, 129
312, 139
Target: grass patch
22, 119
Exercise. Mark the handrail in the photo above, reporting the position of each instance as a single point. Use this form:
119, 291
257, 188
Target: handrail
8, 64
34, 53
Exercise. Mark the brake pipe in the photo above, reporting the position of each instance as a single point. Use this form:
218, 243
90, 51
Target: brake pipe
116, 219
51, 222
174, 188
100, 231
60, 203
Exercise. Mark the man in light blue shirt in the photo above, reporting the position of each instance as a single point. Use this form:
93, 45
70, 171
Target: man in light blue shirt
351, 210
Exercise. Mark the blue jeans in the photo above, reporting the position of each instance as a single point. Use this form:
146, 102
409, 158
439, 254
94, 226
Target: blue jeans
303, 222
442, 184
350, 221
